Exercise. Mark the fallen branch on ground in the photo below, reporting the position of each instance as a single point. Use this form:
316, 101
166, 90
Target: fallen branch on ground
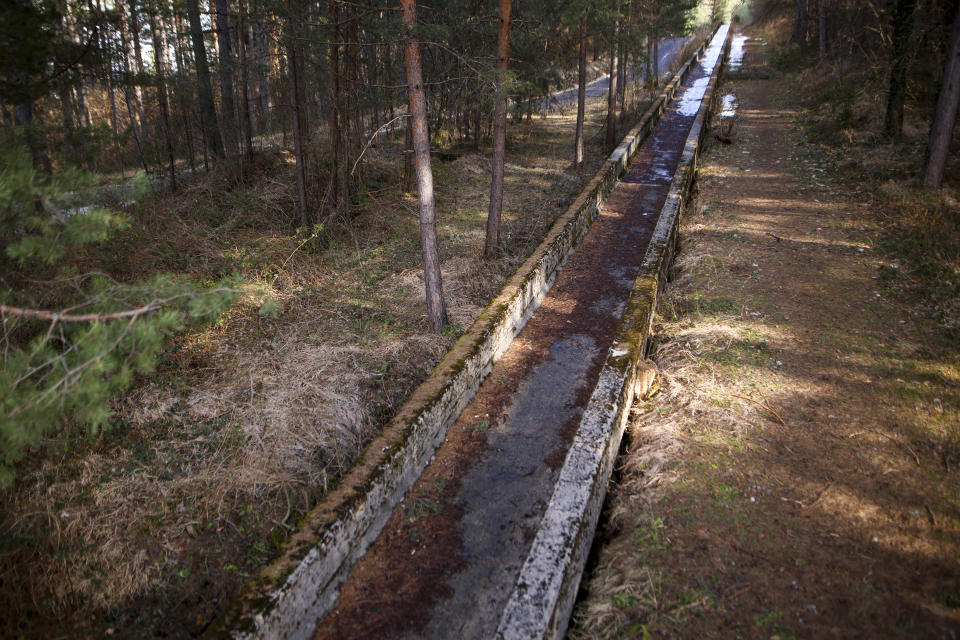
762, 405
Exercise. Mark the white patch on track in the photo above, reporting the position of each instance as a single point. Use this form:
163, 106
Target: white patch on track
730, 105
692, 96
736, 51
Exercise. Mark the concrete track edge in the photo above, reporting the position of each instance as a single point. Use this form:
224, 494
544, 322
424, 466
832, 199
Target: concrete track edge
543, 596
288, 596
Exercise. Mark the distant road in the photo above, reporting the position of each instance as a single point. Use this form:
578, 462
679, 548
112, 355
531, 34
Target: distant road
669, 49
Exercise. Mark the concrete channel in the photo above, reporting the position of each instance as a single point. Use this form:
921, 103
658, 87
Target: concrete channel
472, 515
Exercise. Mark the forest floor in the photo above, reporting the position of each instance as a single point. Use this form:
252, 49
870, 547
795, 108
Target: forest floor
795, 473
150, 528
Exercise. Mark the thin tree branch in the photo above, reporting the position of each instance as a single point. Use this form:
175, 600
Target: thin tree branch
58, 316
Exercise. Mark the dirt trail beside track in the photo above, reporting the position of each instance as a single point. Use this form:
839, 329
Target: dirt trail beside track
796, 473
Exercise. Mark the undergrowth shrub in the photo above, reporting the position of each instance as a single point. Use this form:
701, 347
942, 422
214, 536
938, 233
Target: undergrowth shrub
72, 340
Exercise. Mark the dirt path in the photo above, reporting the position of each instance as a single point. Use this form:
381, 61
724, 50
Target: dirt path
796, 474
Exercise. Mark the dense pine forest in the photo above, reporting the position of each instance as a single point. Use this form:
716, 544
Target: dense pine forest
236, 235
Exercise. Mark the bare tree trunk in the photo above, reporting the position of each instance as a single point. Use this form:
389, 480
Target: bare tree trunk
611, 140
436, 309
336, 134
246, 117
477, 128
293, 64
622, 74
941, 130
800, 25
23, 117
373, 67
137, 135
492, 246
902, 29
113, 118
138, 60
822, 28
66, 117
656, 59
134, 104
208, 111
408, 157
264, 98
162, 98
648, 66
225, 69
107, 53
355, 130
184, 92
581, 93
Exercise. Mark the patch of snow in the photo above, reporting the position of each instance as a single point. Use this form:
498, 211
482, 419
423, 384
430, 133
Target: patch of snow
693, 96
736, 51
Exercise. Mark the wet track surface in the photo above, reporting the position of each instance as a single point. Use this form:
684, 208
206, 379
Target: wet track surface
444, 565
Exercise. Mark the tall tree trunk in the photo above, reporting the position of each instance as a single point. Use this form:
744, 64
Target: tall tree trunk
136, 136
162, 99
902, 29
264, 97
134, 102
581, 93
246, 117
656, 58
107, 52
129, 99
648, 65
492, 246
625, 62
138, 60
225, 69
433, 282
113, 118
184, 92
408, 157
293, 64
611, 140
477, 128
339, 183
66, 118
800, 25
622, 74
353, 97
941, 130
23, 118
373, 67
822, 28
208, 111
